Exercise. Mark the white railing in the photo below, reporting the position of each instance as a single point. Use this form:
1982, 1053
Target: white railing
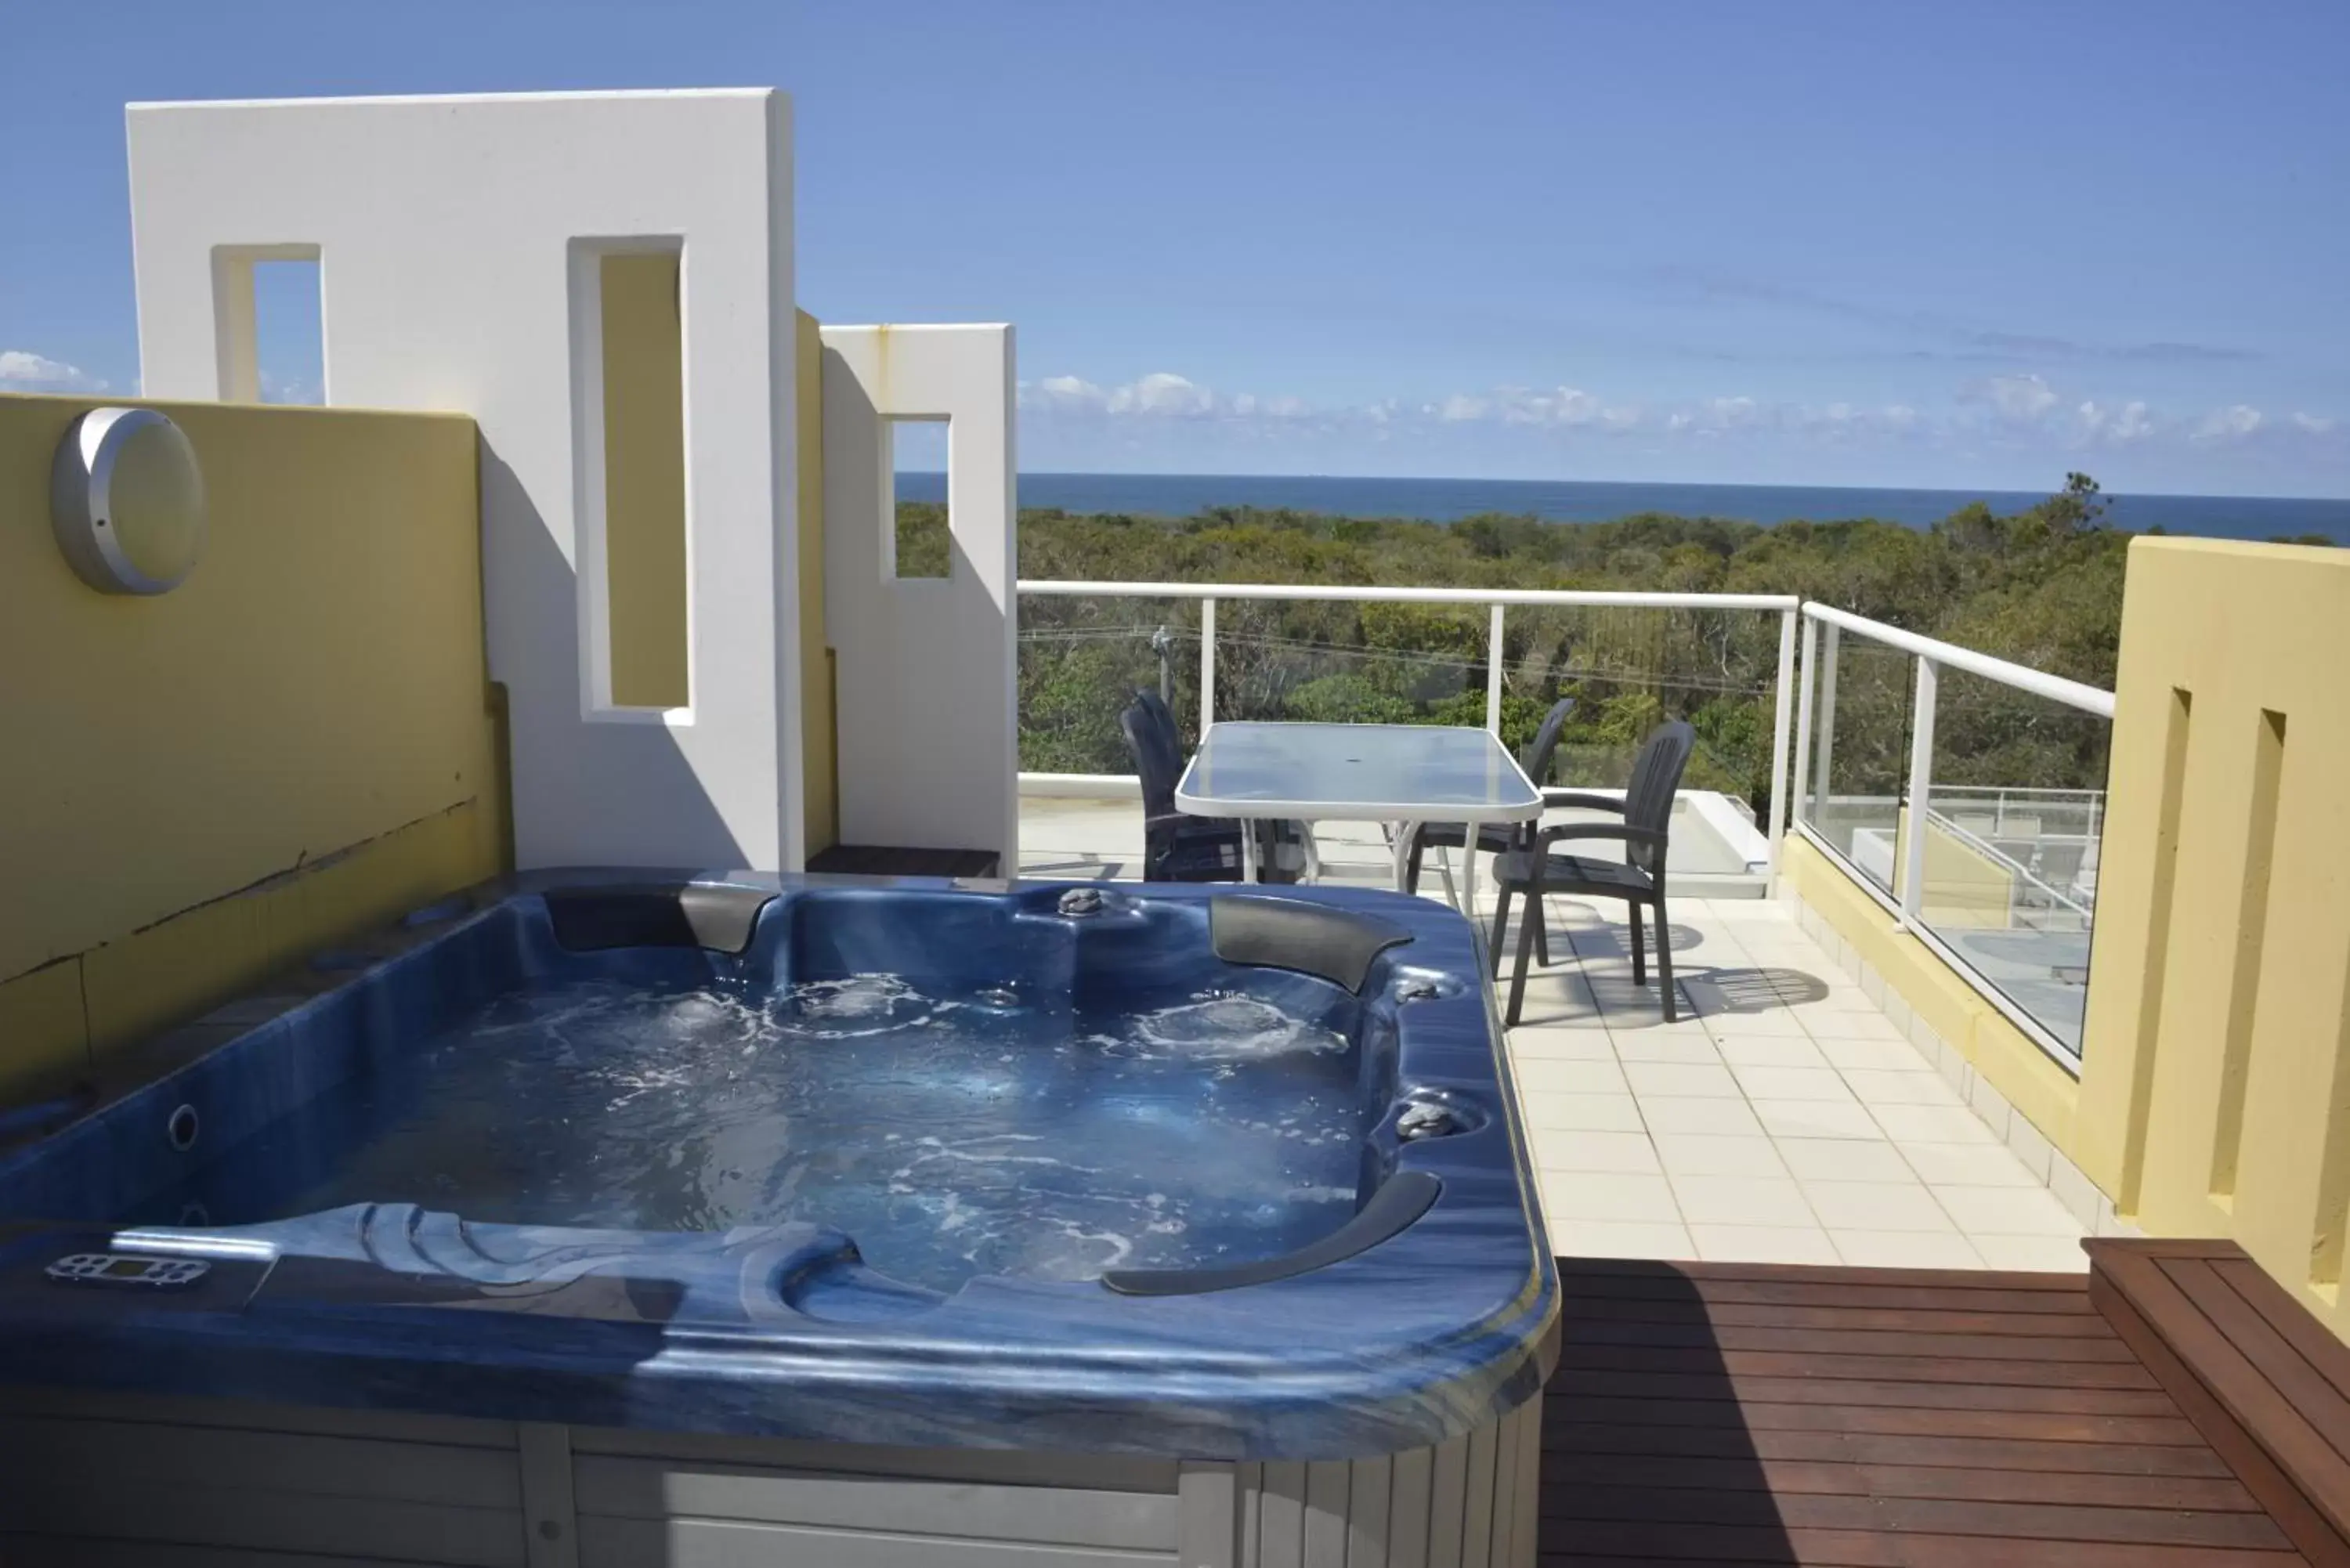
1499, 601
1802, 730
1824, 627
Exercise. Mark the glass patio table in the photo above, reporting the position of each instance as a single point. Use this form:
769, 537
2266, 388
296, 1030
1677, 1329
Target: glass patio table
1400, 773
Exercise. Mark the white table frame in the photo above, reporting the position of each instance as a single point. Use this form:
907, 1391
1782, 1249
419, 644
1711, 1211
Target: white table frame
1406, 815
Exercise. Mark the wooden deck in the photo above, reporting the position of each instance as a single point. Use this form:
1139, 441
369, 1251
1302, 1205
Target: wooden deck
1769, 1413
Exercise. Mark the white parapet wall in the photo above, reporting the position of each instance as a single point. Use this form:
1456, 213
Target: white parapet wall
458, 242
926, 696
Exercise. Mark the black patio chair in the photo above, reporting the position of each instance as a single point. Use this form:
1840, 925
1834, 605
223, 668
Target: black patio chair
1178, 846
1148, 700
1639, 879
1497, 837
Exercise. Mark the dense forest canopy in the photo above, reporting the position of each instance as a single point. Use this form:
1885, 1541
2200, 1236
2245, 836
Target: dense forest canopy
2041, 586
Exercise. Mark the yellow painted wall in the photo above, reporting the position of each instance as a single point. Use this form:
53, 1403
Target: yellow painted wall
644, 480
2217, 1100
294, 744
817, 732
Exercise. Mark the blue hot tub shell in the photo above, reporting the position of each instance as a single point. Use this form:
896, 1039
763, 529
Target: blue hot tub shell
1430, 1315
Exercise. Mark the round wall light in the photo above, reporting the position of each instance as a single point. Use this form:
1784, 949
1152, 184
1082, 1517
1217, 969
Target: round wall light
127, 500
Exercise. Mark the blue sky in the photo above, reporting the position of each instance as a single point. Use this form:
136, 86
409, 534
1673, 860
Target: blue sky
1968, 245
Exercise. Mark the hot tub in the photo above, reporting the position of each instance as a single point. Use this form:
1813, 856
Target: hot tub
596, 1218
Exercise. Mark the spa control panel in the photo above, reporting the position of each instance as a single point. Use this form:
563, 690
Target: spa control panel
124, 1268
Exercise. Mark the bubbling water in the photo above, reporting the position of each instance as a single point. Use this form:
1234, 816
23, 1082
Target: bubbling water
950, 1135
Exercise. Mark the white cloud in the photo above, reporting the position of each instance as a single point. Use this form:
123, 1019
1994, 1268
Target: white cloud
2230, 423
1560, 406
1063, 392
1162, 395
23, 371
2130, 422
2021, 413
2018, 398
1162, 392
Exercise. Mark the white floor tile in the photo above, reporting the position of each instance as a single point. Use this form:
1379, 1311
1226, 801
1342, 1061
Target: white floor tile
1580, 1113
1709, 1154
1875, 1206
2007, 1210
1905, 1249
1877, 1089
1855, 1024
1679, 1080
1875, 1056
1652, 1026
1621, 1239
1561, 1045
1607, 1195
1844, 1160
1793, 1084
1749, 1022
1742, 1201
1932, 1123
1552, 1077
1637, 1046
1966, 1165
1817, 1118
1727, 1118
2039, 1254
1771, 1051
1628, 1152
1763, 1244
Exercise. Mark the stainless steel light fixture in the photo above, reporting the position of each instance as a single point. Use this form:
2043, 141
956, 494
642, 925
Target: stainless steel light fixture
127, 500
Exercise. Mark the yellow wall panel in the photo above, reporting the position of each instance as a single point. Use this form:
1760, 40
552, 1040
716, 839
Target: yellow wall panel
644, 480
44, 1044
297, 740
2216, 1094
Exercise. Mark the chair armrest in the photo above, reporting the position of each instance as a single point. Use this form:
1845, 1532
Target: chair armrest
1554, 799
1625, 833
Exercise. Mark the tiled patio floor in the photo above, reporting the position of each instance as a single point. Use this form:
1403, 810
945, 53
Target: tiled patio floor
1785, 1119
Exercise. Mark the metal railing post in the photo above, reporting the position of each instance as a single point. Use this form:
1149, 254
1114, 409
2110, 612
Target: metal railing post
1912, 891
1831, 648
1207, 664
1807, 681
1781, 712
1493, 675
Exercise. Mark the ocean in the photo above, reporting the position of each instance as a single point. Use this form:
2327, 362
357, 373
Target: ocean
1587, 500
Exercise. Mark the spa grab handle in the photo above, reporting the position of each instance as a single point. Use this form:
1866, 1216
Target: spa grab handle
1401, 1199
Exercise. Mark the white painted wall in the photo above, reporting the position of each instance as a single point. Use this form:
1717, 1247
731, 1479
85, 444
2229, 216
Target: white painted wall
929, 751
454, 238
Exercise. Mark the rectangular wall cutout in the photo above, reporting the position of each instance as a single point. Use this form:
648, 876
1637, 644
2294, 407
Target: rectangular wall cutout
269, 324
289, 345
2157, 955
2251, 930
921, 542
646, 598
